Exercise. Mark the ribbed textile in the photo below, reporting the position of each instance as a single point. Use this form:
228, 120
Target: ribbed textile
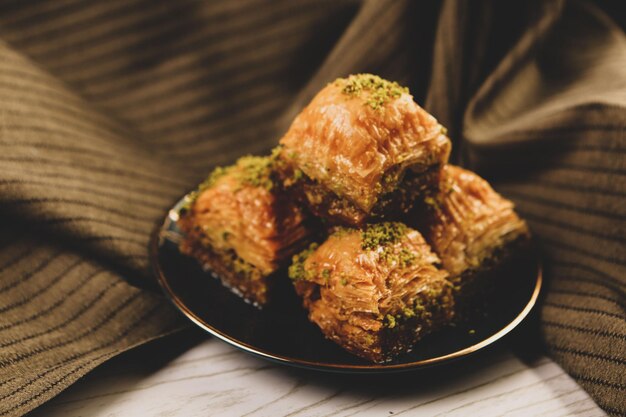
111, 110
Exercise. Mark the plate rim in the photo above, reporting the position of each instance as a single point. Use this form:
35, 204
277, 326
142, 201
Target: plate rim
323, 366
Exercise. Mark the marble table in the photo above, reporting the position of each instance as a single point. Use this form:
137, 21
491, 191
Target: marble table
193, 375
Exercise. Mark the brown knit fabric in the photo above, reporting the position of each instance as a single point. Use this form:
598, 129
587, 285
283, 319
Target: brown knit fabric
110, 110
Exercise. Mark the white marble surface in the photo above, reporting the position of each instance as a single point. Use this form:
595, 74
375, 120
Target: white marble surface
205, 377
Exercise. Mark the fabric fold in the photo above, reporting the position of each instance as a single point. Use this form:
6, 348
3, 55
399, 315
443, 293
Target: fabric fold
74, 173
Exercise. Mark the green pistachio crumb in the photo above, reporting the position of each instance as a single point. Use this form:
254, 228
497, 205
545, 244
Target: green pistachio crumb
380, 90
255, 171
275, 153
405, 257
381, 234
390, 321
385, 235
432, 293
296, 270
390, 179
433, 202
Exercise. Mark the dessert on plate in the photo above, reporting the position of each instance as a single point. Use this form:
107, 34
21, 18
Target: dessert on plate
241, 225
363, 150
471, 227
375, 291
358, 164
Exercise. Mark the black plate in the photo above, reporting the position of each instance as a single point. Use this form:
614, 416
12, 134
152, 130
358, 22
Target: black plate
283, 334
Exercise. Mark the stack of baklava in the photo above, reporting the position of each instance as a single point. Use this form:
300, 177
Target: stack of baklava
379, 234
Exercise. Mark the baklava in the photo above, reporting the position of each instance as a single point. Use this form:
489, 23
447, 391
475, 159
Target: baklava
375, 291
242, 226
363, 150
471, 227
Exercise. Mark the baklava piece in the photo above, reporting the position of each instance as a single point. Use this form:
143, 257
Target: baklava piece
240, 225
362, 150
375, 291
472, 228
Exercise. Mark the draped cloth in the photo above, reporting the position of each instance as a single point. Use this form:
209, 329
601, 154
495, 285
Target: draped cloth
111, 110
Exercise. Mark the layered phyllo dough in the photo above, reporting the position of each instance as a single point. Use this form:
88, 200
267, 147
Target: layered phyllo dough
363, 150
469, 225
241, 225
375, 291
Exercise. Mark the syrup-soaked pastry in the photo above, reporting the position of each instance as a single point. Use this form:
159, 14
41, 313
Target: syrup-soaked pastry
375, 291
470, 226
362, 150
241, 225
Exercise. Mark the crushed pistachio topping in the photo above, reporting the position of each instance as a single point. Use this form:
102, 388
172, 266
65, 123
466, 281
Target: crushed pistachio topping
436, 200
430, 201
288, 173
421, 309
215, 175
384, 235
404, 258
389, 178
275, 153
296, 270
380, 90
254, 171
390, 321
381, 234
